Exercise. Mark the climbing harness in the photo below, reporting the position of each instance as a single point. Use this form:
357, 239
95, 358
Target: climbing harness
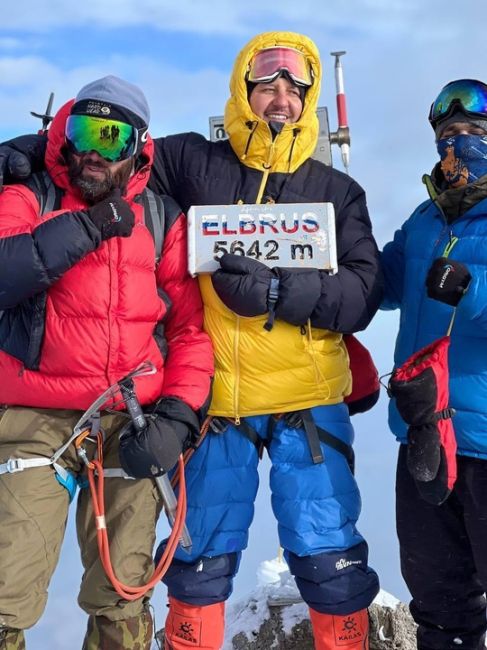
88, 429
301, 419
175, 508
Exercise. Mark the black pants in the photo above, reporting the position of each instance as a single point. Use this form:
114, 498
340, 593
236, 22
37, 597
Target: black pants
444, 557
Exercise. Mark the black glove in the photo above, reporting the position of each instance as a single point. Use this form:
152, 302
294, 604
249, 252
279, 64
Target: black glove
447, 281
20, 157
171, 427
299, 291
243, 284
154, 450
113, 216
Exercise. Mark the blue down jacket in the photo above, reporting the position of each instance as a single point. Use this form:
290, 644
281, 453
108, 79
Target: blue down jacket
406, 261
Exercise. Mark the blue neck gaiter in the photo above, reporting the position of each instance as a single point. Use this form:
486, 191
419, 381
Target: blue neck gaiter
463, 158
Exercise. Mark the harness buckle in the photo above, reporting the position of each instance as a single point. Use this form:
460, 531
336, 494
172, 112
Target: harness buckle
14, 465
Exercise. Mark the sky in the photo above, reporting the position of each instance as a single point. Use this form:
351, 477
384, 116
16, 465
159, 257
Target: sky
399, 53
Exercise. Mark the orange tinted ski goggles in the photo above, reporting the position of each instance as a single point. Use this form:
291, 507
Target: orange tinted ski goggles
270, 62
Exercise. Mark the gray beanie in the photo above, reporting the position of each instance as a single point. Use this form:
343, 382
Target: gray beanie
115, 98
459, 116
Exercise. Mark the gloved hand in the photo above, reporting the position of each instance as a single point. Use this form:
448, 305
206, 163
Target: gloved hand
113, 216
299, 291
20, 157
243, 284
154, 450
447, 281
171, 426
420, 388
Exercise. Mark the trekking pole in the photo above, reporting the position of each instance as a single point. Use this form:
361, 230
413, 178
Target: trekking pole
341, 137
163, 483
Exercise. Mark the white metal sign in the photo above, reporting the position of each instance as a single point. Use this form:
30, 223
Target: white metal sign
276, 234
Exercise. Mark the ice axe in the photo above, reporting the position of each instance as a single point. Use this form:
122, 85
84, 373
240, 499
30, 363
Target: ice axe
45, 117
163, 483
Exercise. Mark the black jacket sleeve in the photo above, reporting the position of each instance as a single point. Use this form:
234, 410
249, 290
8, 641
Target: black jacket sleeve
347, 301
21, 156
350, 298
33, 257
167, 166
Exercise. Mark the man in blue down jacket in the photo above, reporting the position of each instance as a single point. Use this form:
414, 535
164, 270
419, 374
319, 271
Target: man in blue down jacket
437, 263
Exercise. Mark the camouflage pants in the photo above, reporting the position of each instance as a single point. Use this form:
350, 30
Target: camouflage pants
132, 633
33, 512
12, 639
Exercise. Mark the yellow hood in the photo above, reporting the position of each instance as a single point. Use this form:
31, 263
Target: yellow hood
250, 136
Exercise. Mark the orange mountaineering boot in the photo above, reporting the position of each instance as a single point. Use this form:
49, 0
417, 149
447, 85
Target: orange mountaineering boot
193, 626
348, 632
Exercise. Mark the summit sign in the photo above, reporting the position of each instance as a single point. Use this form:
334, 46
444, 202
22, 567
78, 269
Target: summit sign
276, 234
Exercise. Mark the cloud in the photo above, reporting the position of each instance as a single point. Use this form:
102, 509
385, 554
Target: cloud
220, 17
179, 99
399, 54
10, 43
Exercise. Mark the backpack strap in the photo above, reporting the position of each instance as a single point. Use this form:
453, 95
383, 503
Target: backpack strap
47, 193
154, 218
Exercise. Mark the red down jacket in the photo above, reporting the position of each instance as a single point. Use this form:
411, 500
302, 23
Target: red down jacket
95, 310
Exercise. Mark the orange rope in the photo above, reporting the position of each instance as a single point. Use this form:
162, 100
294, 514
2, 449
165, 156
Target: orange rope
97, 492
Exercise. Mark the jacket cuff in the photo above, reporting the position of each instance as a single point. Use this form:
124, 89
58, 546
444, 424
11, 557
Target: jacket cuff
175, 409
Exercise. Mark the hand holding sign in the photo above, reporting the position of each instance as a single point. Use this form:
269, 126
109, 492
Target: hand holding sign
242, 284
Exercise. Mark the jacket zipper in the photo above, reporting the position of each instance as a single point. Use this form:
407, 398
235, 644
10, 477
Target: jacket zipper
236, 389
451, 243
267, 170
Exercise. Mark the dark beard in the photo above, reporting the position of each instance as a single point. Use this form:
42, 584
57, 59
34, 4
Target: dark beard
93, 190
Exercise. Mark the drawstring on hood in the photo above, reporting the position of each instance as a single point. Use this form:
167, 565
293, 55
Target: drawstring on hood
296, 132
252, 126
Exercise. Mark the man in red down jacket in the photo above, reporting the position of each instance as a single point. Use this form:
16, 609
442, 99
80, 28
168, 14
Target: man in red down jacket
85, 301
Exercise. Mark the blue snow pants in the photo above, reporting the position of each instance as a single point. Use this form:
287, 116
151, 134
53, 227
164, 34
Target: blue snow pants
316, 507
